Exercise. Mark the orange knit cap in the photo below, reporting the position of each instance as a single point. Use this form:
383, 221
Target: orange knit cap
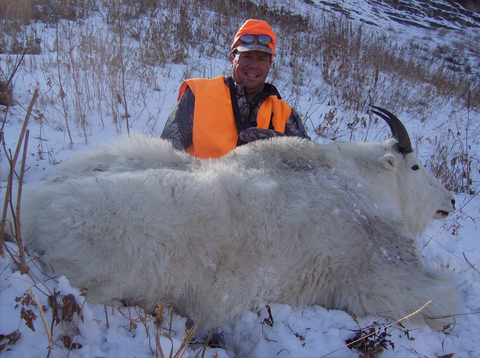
255, 27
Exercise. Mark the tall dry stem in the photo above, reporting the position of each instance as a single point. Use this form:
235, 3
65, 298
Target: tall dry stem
62, 93
8, 191
45, 324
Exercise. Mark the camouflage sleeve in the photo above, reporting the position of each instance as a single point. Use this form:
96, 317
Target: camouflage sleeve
294, 126
179, 126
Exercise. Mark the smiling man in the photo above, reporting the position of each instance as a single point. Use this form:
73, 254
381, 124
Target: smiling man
213, 116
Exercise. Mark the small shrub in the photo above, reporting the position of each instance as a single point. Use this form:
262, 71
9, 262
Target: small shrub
371, 340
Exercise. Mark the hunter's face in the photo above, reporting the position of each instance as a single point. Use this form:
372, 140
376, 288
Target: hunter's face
251, 70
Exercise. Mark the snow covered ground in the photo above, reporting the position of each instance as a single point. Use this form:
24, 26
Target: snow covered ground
449, 245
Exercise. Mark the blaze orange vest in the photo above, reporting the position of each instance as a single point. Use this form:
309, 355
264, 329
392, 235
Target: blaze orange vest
214, 130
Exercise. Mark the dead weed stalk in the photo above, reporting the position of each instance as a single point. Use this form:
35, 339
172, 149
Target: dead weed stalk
8, 192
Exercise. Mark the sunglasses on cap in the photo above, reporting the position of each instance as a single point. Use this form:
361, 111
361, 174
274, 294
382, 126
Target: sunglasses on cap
250, 39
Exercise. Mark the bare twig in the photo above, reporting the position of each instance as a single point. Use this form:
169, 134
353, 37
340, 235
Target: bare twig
42, 315
106, 316
21, 252
468, 262
189, 334
13, 162
16, 68
132, 320
62, 93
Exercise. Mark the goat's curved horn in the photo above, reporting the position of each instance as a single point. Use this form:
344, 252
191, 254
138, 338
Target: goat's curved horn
398, 130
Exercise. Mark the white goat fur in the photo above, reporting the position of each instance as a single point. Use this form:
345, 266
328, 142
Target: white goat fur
277, 221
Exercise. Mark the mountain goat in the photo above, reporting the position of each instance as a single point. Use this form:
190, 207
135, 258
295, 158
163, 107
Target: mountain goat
276, 221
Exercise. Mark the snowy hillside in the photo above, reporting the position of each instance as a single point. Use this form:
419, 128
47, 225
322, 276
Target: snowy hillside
423, 21
103, 70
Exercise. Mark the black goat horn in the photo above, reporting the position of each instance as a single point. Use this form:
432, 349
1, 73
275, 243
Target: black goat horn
398, 130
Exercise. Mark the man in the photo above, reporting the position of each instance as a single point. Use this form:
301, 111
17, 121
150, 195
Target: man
213, 116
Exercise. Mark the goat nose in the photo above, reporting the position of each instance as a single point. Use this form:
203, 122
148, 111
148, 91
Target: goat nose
453, 202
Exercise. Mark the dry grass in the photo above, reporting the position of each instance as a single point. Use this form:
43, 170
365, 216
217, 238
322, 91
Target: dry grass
62, 317
110, 71
358, 65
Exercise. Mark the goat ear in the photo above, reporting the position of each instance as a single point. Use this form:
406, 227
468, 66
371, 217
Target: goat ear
389, 162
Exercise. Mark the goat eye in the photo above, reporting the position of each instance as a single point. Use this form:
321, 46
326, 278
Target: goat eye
415, 167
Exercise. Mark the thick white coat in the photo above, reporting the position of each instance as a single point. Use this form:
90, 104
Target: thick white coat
277, 221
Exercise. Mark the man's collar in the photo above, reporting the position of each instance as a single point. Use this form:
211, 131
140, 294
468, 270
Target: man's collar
240, 89
268, 89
